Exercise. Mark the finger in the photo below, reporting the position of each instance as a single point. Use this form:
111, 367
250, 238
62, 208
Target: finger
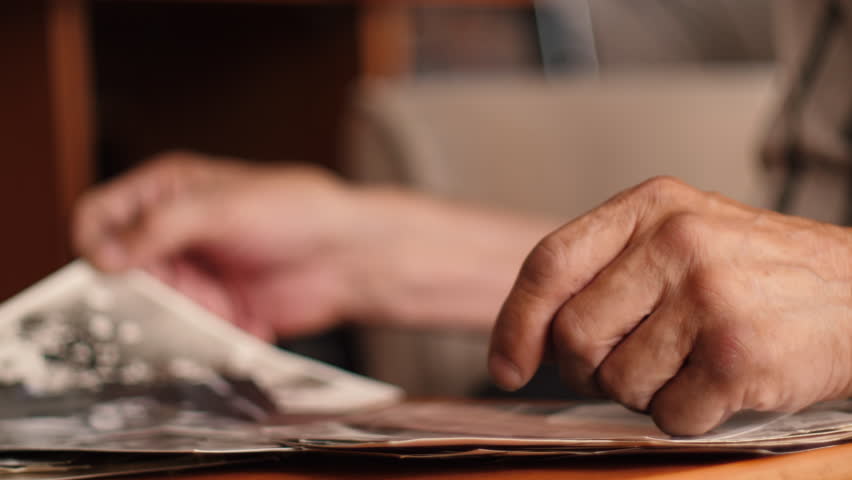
97, 218
563, 264
169, 229
691, 403
719, 378
108, 210
649, 357
597, 318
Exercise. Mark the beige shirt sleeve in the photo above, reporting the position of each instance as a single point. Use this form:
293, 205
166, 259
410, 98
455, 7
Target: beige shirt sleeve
814, 120
809, 144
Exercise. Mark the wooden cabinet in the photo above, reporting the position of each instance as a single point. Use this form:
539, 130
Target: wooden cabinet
45, 134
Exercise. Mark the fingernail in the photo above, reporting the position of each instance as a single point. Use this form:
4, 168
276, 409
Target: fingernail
111, 257
505, 373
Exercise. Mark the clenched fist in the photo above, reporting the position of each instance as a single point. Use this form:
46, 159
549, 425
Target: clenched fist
685, 305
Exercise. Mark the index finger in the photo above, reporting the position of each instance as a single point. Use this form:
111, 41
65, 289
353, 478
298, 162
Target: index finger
106, 211
559, 267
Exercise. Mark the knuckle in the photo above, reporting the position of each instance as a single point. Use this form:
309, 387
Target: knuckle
174, 157
715, 197
175, 163
680, 235
728, 360
682, 228
662, 189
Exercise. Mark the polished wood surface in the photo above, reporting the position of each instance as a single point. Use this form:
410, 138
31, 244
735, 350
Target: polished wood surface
832, 463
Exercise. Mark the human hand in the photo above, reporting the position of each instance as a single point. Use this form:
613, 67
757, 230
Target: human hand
685, 305
268, 248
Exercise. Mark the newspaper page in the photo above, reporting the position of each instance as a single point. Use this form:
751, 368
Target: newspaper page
575, 427
89, 361
93, 363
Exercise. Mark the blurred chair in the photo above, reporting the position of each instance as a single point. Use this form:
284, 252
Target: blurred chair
557, 147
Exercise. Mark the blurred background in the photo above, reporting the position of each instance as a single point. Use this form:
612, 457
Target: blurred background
538, 105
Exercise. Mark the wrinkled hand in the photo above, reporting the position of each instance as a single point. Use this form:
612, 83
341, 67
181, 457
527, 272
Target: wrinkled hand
685, 305
265, 247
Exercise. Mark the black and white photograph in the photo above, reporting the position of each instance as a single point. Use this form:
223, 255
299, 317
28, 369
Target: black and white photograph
89, 361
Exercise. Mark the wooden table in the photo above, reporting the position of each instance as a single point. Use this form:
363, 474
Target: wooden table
832, 463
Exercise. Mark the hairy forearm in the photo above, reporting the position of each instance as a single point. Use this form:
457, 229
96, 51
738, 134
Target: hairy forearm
439, 264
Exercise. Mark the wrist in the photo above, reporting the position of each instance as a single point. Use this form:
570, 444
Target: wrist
377, 249
422, 262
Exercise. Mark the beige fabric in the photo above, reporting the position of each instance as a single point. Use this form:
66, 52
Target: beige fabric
658, 32
558, 147
814, 40
822, 195
563, 147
